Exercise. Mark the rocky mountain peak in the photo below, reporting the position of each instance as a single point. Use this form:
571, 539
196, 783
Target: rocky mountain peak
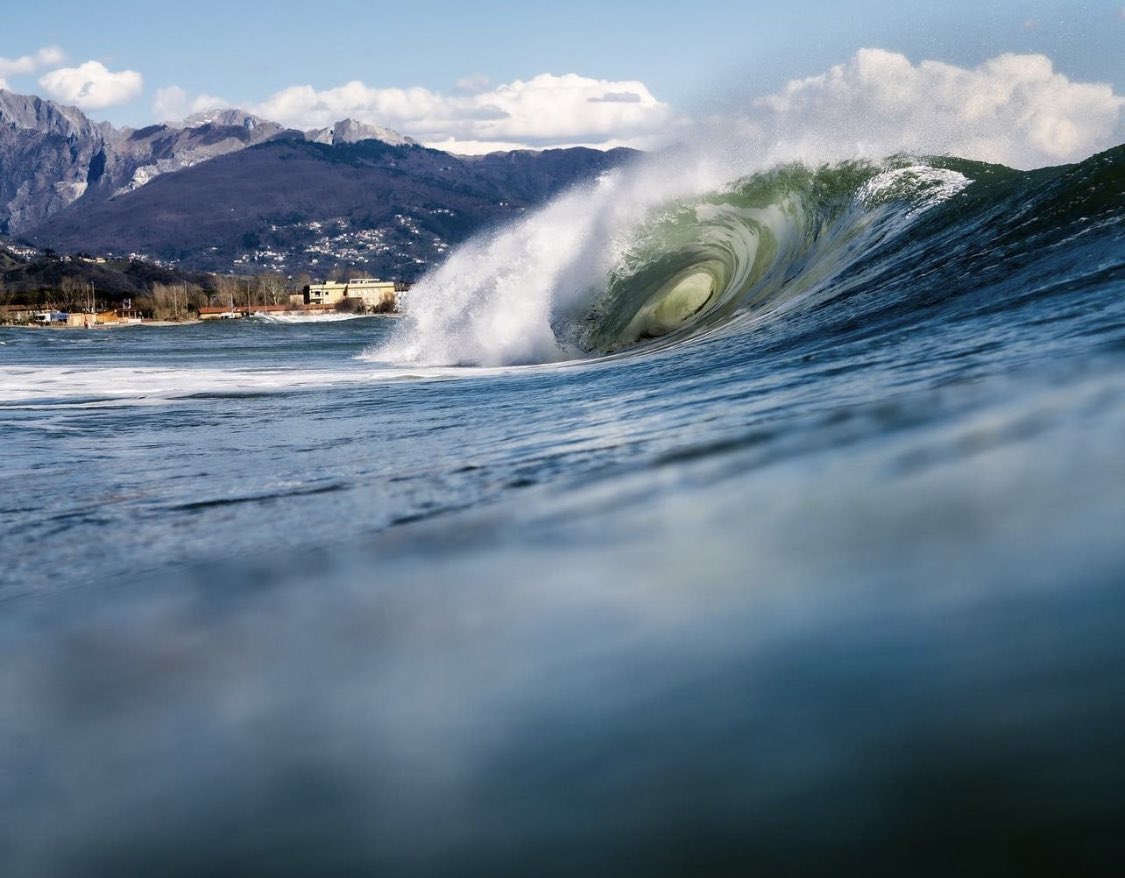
226, 117
31, 113
52, 156
353, 131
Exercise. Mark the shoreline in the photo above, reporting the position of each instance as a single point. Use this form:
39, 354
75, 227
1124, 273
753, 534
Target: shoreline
57, 327
194, 321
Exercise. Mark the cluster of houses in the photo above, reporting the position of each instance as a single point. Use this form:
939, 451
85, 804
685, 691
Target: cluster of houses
25, 314
361, 296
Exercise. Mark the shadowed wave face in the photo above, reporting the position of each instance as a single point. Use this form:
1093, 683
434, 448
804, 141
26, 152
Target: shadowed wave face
782, 535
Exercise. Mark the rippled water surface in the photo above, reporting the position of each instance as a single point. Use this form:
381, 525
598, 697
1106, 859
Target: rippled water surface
815, 560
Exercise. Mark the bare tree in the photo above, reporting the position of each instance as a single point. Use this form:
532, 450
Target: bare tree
271, 287
144, 306
73, 294
195, 296
247, 299
168, 301
227, 292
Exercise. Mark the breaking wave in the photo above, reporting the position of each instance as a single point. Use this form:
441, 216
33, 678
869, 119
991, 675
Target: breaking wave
646, 257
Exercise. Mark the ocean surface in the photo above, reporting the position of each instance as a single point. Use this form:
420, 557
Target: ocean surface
776, 527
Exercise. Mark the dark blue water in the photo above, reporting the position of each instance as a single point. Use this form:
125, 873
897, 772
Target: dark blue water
817, 583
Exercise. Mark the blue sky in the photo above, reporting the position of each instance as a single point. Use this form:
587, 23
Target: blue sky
690, 57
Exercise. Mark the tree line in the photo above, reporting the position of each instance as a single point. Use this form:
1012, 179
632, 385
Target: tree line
78, 283
176, 301
161, 300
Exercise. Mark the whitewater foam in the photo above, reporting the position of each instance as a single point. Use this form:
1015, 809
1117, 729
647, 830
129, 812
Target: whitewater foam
266, 317
93, 387
921, 185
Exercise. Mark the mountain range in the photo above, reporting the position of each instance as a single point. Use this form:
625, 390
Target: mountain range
230, 192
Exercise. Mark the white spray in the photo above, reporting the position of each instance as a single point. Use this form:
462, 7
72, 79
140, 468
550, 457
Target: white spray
494, 302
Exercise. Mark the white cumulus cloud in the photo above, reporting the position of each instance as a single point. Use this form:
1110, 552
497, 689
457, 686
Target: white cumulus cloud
48, 56
173, 104
91, 86
546, 110
1013, 109
1016, 109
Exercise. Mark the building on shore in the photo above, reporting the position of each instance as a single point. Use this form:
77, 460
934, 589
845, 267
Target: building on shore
17, 313
368, 293
99, 318
28, 315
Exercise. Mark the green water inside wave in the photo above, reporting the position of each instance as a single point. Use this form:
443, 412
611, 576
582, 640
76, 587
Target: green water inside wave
695, 262
771, 238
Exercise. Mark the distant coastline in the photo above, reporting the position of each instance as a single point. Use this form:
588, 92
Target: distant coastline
73, 302
275, 317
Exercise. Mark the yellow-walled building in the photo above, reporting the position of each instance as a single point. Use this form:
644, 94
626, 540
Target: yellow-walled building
377, 295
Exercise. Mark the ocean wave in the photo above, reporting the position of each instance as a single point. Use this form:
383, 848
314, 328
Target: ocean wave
636, 261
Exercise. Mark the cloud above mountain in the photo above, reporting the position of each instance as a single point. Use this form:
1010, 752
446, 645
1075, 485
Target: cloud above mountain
1016, 109
92, 86
49, 56
545, 110
1012, 109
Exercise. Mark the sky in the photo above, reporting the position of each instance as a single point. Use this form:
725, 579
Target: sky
498, 74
